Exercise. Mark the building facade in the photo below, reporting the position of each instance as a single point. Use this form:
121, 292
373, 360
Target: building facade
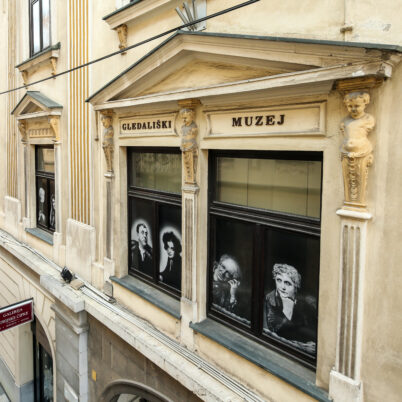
223, 191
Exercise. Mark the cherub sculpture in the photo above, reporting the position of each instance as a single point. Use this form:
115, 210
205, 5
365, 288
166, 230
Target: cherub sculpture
356, 149
107, 143
189, 132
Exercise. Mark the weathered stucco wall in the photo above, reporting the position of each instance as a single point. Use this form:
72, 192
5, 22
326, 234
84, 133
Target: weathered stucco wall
112, 359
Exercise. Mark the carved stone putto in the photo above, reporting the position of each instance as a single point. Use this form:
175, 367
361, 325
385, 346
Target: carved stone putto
189, 147
356, 149
107, 144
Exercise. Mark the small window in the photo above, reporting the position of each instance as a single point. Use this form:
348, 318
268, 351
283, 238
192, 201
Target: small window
264, 247
39, 15
45, 192
154, 203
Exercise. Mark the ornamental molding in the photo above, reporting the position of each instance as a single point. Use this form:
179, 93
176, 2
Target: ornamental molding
122, 31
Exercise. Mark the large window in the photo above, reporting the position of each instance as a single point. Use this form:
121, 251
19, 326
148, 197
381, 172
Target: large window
264, 235
154, 202
39, 24
45, 194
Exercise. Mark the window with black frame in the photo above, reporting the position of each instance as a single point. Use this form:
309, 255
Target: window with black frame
154, 218
39, 25
45, 192
264, 251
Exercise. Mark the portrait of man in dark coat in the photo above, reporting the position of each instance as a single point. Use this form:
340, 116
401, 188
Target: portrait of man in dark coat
141, 251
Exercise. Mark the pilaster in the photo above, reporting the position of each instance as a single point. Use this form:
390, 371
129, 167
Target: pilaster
71, 354
190, 190
356, 156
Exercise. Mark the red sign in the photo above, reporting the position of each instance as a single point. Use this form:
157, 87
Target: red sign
16, 314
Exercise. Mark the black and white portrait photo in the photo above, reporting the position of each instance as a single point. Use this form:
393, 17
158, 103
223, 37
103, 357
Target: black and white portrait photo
170, 258
41, 206
289, 314
226, 288
141, 247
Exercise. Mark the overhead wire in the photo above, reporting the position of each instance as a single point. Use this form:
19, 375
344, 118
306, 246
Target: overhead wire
152, 38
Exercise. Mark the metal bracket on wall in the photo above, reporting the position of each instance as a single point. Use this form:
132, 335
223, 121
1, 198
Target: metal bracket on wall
192, 10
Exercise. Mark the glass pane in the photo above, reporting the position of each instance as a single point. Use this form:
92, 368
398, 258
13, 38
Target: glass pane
36, 27
46, 22
231, 269
158, 171
278, 185
42, 197
141, 244
45, 161
291, 289
232, 180
47, 378
52, 212
170, 246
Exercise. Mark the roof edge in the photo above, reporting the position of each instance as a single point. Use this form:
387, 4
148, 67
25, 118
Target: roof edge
362, 45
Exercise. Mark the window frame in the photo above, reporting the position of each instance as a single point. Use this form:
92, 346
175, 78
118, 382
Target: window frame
262, 220
158, 198
32, 52
49, 177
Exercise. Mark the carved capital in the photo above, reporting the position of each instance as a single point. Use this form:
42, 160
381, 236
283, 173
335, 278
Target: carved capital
108, 142
189, 146
356, 149
54, 122
358, 84
122, 34
22, 127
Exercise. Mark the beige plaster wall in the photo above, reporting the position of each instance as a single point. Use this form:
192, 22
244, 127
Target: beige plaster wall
372, 21
382, 343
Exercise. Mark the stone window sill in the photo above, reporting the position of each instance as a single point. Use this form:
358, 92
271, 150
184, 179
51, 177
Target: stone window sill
134, 10
41, 234
289, 371
151, 294
48, 55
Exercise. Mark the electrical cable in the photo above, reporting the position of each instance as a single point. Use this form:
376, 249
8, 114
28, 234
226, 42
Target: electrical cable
152, 38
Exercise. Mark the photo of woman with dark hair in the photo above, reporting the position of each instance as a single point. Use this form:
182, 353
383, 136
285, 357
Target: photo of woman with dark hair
289, 314
171, 272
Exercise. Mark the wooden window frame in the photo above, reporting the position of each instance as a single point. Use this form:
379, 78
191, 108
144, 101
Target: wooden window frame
158, 199
262, 220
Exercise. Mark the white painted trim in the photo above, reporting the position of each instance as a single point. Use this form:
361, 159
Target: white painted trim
348, 213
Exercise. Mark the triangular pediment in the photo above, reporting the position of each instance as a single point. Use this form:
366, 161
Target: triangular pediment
35, 104
201, 61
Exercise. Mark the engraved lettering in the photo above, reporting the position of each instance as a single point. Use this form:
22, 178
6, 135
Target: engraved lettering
248, 121
258, 120
270, 120
236, 121
282, 119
